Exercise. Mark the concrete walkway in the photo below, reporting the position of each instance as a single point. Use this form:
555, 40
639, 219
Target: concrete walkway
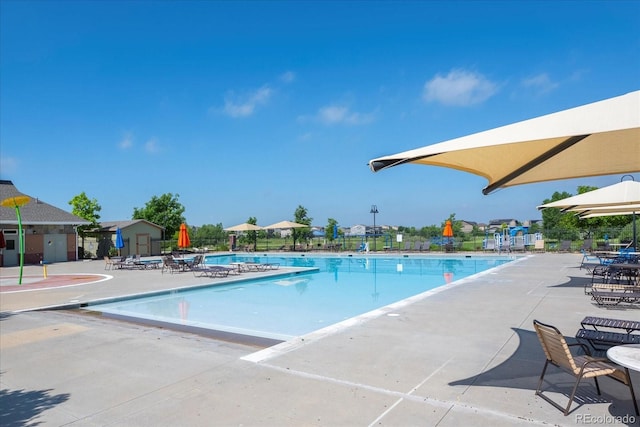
464, 356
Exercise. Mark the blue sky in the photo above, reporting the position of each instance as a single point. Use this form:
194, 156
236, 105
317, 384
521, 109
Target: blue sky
250, 109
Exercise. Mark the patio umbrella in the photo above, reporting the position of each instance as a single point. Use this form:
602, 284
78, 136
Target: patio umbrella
591, 140
622, 198
247, 227
448, 230
183, 237
119, 240
244, 227
282, 225
285, 225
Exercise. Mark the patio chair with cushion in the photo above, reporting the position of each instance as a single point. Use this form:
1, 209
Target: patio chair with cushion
538, 245
558, 353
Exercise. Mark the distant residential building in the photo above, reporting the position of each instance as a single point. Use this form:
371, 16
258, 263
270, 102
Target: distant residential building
467, 226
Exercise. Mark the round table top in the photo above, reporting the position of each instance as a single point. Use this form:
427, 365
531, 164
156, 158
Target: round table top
626, 355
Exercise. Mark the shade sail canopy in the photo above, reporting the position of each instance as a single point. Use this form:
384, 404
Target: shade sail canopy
606, 209
284, 225
244, 227
183, 237
596, 139
622, 196
596, 214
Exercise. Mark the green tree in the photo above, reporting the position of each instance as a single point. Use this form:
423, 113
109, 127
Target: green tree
251, 236
86, 209
208, 234
165, 211
301, 217
552, 217
328, 230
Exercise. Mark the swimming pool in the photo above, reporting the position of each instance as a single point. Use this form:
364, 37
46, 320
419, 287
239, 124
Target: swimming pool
291, 305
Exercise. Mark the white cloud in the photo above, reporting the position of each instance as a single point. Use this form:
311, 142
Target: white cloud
459, 88
305, 136
151, 146
126, 142
335, 114
541, 82
288, 77
244, 106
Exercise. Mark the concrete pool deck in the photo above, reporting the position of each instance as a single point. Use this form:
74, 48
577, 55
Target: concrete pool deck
464, 356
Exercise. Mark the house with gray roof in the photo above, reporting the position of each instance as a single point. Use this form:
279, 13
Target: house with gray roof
49, 233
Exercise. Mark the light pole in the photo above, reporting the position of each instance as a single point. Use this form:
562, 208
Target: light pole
374, 211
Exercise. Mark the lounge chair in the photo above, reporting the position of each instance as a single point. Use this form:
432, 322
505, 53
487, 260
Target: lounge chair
612, 294
490, 245
126, 262
417, 246
518, 244
558, 353
108, 263
195, 262
565, 246
538, 245
170, 264
426, 246
212, 270
407, 246
505, 245
587, 245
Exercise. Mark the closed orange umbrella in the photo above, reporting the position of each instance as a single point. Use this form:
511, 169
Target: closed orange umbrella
448, 230
183, 237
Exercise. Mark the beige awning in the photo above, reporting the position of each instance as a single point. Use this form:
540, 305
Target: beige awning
622, 196
602, 138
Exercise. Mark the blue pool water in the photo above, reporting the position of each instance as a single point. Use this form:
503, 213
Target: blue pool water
285, 307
